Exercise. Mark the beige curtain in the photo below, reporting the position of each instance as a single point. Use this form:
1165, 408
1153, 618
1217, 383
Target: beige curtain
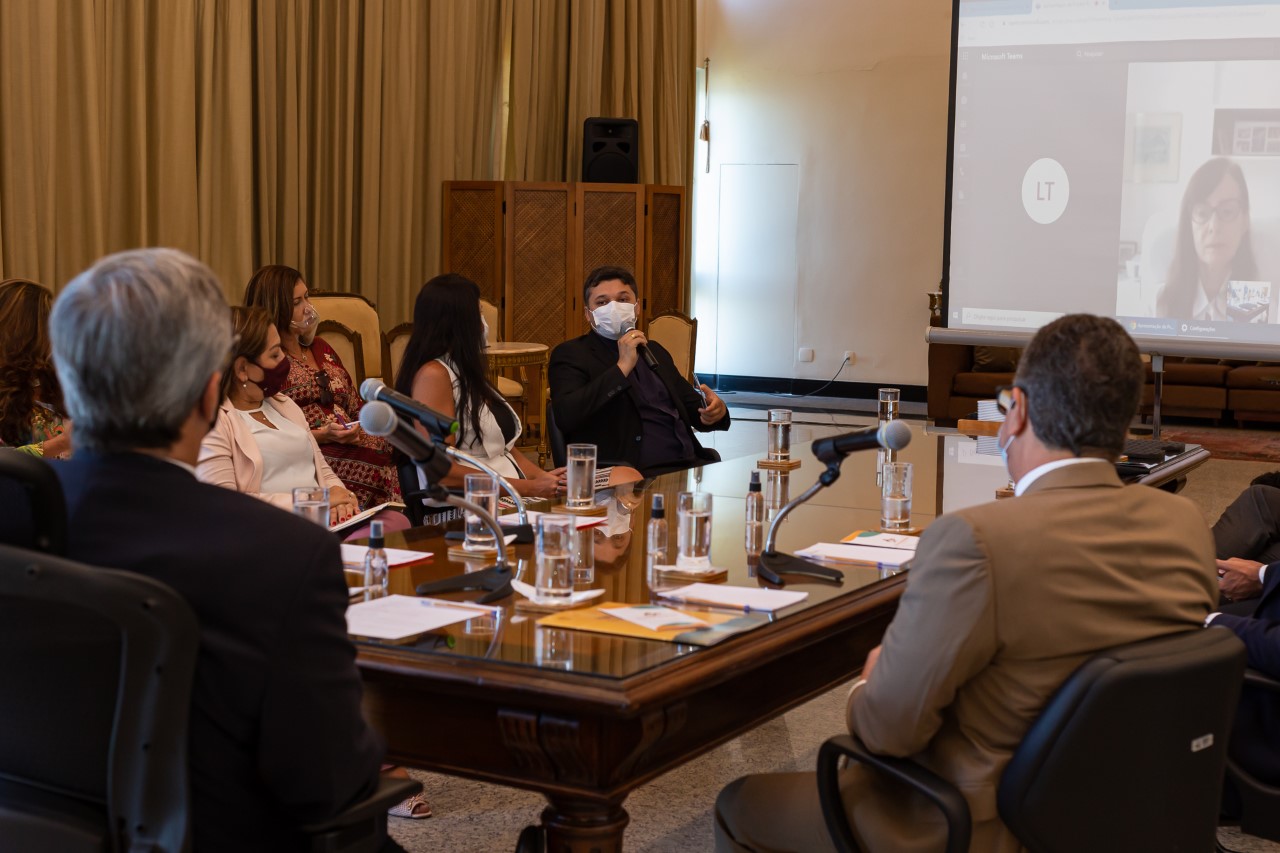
573, 59
315, 134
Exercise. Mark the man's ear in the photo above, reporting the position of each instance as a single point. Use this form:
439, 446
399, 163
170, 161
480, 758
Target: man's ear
1016, 420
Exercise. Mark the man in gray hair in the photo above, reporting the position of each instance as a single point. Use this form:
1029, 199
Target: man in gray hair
277, 740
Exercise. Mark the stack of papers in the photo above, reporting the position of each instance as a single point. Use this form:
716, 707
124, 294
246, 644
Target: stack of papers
857, 554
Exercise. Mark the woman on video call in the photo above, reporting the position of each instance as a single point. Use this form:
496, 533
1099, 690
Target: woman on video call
1212, 245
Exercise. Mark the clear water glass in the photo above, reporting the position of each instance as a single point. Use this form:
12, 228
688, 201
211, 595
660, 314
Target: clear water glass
553, 648
895, 497
580, 476
693, 534
482, 490
554, 580
888, 408
312, 503
779, 435
584, 556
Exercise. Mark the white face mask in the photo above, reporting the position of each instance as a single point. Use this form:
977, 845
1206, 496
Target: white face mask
1004, 452
614, 319
306, 330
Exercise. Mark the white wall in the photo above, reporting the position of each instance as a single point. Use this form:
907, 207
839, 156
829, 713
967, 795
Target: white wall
852, 94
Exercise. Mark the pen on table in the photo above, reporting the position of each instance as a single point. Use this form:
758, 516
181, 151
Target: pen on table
710, 605
462, 605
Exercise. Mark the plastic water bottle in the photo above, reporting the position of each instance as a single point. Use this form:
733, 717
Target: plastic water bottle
755, 518
375, 564
656, 541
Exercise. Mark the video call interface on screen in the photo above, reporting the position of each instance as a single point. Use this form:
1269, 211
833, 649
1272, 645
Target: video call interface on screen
1117, 157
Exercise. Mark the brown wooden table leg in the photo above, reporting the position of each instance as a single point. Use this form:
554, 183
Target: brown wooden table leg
581, 826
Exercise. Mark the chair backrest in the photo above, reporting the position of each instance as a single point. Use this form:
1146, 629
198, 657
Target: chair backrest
96, 666
1129, 752
678, 334
490, 313
348, 344
35, 513
555, 438
397, 341
359, 314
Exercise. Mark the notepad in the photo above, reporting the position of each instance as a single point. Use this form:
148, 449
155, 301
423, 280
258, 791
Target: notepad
882, 540
737, 597
862, 555
364, 516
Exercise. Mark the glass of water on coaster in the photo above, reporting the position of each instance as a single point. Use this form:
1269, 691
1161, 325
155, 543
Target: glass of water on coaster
482, 490
554, 580
888, 409
580, 476
312, 503
779, 435
693, 533
895, 497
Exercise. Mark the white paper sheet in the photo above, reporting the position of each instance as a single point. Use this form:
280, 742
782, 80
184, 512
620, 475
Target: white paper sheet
530, 593
395, 617
353, 556
580, 521
737, 597
654, 617
882, 540
841, 552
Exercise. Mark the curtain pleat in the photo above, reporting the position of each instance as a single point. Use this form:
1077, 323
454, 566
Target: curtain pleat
312, 134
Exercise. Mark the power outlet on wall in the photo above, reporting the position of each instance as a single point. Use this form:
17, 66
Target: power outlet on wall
805, 354
850, 356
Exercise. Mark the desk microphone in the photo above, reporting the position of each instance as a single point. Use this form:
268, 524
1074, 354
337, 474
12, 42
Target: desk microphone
440, 426
378, 418
893, 435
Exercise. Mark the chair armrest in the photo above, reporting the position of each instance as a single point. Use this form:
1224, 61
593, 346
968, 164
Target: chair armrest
1254, 678
942, 793
333, 834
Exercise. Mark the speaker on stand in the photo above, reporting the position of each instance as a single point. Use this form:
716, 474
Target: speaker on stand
611, 151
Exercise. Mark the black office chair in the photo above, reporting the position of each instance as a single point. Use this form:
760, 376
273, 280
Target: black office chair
96, 666
1127, 755
1259, 802
35, 512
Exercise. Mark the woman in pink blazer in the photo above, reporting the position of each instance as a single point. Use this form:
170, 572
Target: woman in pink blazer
260, 443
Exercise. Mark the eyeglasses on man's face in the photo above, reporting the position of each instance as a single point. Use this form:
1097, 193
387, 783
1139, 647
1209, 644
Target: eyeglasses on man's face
1004, 397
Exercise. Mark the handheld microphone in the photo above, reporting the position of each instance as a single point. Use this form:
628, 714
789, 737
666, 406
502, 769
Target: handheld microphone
893, 435
644, 352
378, 418
373, 389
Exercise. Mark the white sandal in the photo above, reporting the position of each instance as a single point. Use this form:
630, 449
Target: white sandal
409, 808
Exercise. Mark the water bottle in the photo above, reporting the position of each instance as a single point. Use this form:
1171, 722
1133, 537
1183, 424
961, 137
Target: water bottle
375, 564
656, 541
755, 518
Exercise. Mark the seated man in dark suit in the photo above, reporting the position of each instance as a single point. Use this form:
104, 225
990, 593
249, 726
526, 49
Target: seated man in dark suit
1003, 602
1255, 735
1247, 537
277, 739
615, 389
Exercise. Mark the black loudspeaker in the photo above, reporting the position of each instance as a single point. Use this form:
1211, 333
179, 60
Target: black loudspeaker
611, 151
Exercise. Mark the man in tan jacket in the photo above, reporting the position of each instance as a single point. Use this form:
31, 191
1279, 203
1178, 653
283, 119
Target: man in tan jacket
1003, 602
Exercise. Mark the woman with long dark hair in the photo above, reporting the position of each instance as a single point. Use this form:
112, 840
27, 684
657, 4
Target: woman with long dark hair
31, 412
1212, 246
444, 366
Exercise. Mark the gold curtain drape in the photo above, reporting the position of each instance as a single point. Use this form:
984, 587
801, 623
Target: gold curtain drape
573, 59
312, 134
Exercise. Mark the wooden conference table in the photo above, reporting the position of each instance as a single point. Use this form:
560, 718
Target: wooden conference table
586, 718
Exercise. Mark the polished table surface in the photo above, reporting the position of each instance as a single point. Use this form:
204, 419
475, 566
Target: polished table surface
586, 718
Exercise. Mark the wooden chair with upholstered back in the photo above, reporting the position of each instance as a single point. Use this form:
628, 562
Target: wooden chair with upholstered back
677, 332
348, 344
394, 344
359, 315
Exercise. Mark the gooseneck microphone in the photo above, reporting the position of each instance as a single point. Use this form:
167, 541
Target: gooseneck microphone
892, 435
378, 418
439, 425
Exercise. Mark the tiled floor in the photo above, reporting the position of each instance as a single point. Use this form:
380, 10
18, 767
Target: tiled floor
674, 813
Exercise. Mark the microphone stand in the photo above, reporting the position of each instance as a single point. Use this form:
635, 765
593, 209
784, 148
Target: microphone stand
495, 580
774, 563
523, 530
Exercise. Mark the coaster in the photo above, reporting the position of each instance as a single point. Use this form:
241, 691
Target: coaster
778, 465
528, 605
594, 509
1004, 492
460, 553
715, 573
908, 531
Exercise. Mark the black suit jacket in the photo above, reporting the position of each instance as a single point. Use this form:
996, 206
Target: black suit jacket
594, 402
1255, 736
277, 737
